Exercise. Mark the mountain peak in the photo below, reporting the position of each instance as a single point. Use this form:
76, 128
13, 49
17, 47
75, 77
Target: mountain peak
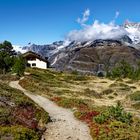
135, 25
133, 29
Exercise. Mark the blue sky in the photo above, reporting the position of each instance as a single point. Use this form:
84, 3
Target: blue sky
45, 21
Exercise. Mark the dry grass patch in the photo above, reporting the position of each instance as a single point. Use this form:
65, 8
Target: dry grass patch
89, 97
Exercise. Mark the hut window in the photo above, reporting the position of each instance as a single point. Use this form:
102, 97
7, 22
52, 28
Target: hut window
34, 64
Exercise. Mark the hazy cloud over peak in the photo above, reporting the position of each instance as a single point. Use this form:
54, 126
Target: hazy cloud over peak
97, 30
85, 17
117, 14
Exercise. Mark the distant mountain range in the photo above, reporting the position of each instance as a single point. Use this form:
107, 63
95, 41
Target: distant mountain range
90, 56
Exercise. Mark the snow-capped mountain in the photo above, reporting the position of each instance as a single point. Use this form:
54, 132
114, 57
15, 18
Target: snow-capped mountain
133, 30
59, 49
87, 57
19, 49
44, 50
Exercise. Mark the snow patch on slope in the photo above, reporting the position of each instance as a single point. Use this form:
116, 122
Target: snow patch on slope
133, 30
18, 48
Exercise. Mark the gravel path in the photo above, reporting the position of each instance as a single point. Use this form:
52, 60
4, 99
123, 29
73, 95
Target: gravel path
64, 126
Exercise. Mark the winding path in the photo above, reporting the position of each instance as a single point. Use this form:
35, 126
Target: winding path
64, 126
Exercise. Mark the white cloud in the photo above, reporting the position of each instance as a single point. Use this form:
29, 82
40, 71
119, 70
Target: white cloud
85, 17
117, 14
97, 30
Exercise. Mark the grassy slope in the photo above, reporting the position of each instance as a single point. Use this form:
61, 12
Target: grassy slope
20, 118
88, 97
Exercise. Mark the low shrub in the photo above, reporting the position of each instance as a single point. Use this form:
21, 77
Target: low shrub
136, 105
74, 77
115, 94
107, 91
103, 82
114, 113
119, 79
43, 116
71, 102
18, 133
130, 81
75, 72
86, 115
110, 97
92, 93
8, 77
135, 96
101, 118
17, 109
133, 87
119, 114
115, 84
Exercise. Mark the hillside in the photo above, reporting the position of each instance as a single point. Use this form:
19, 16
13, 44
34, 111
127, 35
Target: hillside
101, 103
63, 124
20, 117
99, 55
89, 57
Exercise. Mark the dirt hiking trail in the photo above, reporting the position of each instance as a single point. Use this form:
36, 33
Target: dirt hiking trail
64, 125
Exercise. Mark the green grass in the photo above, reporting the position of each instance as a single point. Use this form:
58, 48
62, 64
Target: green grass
9, 77
18, 133
91, 93
60, 88
136, 105
135, 96
110, 97
71, 102
13, 95
19, 116
116, 113
107, 92
114, 123
121, 87
46, 82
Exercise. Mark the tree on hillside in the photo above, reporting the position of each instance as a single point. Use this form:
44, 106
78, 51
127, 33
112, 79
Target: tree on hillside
123, 70
7, 47
136, 74
6, 56
19, 66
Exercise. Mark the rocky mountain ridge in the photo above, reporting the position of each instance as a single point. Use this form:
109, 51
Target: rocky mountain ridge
92, 56
99, 55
